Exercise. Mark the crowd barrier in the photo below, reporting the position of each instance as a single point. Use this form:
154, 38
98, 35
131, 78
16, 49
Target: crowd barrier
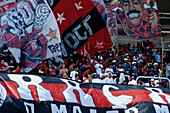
155, 78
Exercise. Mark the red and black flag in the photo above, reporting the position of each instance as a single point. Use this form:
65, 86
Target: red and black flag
23, 93
80, 23
139, 18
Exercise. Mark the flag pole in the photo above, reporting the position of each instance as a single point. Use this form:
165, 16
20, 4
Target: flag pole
162, 51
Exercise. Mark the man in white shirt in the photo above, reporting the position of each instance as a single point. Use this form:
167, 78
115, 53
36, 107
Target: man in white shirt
74, 72
99, 66
109, 79
109, 69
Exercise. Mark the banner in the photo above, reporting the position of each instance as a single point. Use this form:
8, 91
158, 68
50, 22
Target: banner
23, 93
139, 18
5, 5
80, 23
109, 18
31, 32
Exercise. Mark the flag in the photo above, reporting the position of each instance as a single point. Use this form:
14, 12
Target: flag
31, 32
139, 18
109, 18
80, 23
23, 93
5, 5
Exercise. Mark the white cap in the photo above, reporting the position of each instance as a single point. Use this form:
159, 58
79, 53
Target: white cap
155, 64
133, 62
152, 80
114, 61
125, 59
135, 59
156, 81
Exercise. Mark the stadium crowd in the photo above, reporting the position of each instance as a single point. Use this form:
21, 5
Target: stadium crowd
120, 65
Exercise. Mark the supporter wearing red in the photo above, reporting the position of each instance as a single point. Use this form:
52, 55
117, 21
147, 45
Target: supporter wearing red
52, 70
145, 70
18, 69
3, 67
43, 65
87, 72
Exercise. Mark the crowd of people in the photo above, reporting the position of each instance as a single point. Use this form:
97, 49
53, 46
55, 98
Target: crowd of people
121, 65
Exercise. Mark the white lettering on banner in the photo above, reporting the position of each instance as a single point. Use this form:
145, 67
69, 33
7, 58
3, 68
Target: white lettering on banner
25, 92
119, 101
72, 36
132, 110
162, 109
86, 25
155, 95
93, 111
75, 30
55, 109
75, 36
33, 2
26, 11
86, 99
76, 108
29, 105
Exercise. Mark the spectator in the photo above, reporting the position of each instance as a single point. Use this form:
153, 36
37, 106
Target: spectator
99, 66
126, 65
154, 51
157, 84
85, 78
155, 69
109, 69
52, 70
131, 80
18, 69
134, 70
74, 72
3, 67
158, 57
63, 71
168, 70
152, 84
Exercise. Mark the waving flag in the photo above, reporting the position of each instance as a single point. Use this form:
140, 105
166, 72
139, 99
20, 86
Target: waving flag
21, 93
31, 32
109, 18
5, 5
80, 23
139, 18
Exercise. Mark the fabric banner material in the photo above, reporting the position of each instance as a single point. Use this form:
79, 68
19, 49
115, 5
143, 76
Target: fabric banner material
5, 5
31, 32
23, 93
109, 18
139, 18
80, 23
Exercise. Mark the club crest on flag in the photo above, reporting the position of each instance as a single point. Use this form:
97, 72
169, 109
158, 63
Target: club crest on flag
28, 28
